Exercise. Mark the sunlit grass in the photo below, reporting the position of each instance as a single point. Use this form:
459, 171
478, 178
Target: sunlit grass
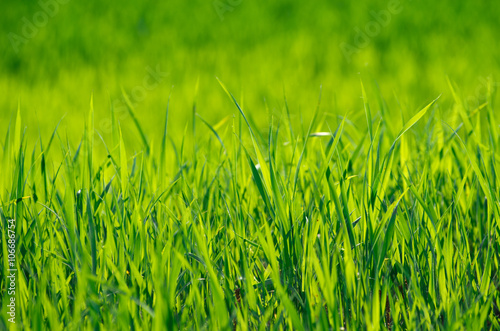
363, 225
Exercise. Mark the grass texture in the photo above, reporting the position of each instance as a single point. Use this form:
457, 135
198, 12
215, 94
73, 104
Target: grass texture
365, 225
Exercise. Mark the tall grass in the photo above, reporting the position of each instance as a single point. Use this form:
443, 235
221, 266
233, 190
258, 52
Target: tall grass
301, 226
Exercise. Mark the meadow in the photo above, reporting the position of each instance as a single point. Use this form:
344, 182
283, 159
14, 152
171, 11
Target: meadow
237, 165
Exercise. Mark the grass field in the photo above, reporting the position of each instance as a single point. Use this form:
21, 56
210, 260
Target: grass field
237, 165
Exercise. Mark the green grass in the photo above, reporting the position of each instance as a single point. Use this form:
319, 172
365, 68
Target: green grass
217, 164
259, 48
318, 225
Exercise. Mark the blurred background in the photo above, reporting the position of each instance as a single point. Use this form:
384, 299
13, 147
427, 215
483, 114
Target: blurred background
56, 54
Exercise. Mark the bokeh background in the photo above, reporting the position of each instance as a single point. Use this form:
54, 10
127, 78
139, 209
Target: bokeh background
261, 50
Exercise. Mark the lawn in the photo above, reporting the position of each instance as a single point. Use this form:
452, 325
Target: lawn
237, 165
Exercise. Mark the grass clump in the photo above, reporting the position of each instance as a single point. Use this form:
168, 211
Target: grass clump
362, 225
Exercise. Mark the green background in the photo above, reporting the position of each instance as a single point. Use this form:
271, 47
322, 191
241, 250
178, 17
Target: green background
259, 49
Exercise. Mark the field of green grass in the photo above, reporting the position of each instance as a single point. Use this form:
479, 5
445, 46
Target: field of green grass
246, 165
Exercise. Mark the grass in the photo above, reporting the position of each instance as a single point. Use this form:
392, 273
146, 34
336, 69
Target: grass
351, 221
259, 48
260, 205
